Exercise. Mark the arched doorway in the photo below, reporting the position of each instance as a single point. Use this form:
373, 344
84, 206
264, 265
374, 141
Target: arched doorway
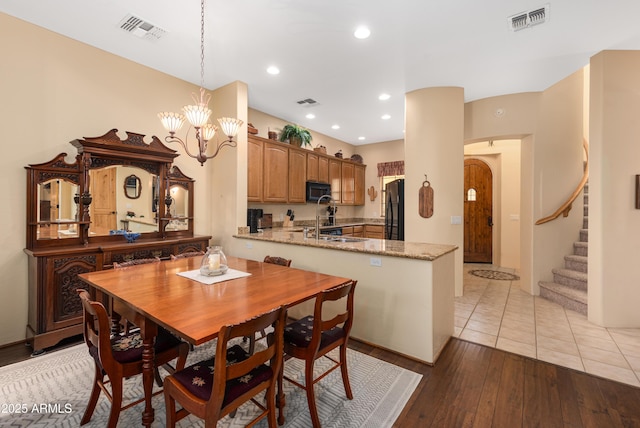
478, 212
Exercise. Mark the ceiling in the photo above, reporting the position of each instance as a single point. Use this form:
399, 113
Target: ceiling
413, 44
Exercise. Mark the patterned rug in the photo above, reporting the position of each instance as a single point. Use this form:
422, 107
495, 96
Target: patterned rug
494, 274
52, 391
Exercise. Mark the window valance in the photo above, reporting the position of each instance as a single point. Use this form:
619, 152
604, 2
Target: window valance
390, 168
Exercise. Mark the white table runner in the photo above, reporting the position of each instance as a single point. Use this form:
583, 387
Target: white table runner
227, 276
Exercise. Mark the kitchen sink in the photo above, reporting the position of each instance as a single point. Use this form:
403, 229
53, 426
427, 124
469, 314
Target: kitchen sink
337, 238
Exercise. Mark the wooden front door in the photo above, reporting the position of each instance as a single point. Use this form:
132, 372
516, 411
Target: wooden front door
478, 221
103, 207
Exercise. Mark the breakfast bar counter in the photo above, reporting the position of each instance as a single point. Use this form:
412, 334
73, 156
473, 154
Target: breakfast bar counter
405, 296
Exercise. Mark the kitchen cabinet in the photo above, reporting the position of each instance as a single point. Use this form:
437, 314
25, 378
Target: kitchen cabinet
347, 188
317, 167
297, 174
335, 179
375, 231
359, 184
276, 172
254, 170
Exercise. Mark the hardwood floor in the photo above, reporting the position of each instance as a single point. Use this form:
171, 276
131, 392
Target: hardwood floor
476, 386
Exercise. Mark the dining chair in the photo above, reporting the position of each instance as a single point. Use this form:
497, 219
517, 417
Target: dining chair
278, 261
213, 388
262, 334
134, 262
187, 255
120, 357
313, 337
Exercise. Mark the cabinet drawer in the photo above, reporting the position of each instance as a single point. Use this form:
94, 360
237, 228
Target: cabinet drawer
374, 231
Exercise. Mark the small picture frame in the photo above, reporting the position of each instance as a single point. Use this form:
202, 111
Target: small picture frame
638, 192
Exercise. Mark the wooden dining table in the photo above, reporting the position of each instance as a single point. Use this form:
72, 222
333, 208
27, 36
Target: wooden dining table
154, 294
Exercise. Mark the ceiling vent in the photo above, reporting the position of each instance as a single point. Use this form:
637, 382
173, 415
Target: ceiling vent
523, 20
307, 101
140, 28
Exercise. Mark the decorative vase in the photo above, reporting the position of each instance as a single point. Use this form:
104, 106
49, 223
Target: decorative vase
214, 262
295, 141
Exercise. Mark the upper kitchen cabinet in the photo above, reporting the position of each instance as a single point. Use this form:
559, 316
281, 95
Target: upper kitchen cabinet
254, 170
317, 167
359, 184
297, 175
276, 172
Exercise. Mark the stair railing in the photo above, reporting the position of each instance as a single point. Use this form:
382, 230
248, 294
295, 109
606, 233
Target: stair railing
566, 207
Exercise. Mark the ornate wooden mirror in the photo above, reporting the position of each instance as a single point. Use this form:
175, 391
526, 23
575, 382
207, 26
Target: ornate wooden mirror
113, 185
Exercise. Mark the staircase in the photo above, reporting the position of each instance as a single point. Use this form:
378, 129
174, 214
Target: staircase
569, 286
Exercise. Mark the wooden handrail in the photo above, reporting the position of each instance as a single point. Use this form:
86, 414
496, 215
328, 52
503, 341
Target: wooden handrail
566, 207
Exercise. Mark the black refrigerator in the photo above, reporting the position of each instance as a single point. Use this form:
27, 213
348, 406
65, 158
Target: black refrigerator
394, 211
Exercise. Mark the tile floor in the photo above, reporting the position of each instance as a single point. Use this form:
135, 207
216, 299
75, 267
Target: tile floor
499, 314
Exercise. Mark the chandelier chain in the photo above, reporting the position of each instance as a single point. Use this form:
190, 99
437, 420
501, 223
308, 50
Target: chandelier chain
201, 44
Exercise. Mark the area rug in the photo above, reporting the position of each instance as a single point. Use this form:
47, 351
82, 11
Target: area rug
52, 391
494, 274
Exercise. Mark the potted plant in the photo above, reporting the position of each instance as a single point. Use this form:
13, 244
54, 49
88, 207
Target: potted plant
296, 135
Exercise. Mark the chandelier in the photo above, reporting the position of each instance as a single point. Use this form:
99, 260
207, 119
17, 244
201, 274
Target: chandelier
198, 116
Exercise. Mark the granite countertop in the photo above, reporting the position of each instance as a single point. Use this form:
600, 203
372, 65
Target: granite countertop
411, 250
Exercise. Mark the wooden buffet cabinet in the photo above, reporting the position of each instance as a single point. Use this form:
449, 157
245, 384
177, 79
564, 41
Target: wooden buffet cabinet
278, 172
63, 240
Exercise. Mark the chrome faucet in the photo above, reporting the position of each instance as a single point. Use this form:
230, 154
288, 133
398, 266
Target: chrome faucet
318, 215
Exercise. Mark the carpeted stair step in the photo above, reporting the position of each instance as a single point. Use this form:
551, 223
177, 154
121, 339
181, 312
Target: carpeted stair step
577, 263
584, 235
568, 297
570, 278
585, 222
581, 249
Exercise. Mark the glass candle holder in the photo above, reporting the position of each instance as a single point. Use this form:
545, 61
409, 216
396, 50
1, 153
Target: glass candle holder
214, 262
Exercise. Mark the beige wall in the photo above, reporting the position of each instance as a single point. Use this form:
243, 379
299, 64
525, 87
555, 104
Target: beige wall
434, 123
614, 280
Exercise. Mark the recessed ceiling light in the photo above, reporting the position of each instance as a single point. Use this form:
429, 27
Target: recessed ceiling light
362, 33
384, 97
386, 117
361, 138
273, 70
310, 116
335, 126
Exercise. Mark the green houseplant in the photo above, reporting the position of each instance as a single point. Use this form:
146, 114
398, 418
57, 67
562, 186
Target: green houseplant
296, 135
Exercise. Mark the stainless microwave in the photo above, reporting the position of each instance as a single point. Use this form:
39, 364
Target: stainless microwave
316, 190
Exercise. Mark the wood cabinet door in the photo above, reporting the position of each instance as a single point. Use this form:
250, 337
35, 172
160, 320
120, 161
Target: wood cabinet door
254, 170
276, 175
335, 174
359, 185
323, 170
312, 166
297, 176
348, 183
60, 298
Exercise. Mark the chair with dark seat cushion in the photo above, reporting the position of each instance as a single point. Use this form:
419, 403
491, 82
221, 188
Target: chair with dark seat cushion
262, 334
120, 357
278, 261
216, 387
312, 337
187, 255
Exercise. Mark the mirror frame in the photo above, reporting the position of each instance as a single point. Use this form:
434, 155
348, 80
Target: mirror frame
99, 152
137, 186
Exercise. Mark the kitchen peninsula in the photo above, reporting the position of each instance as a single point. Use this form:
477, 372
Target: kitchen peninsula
405, 295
